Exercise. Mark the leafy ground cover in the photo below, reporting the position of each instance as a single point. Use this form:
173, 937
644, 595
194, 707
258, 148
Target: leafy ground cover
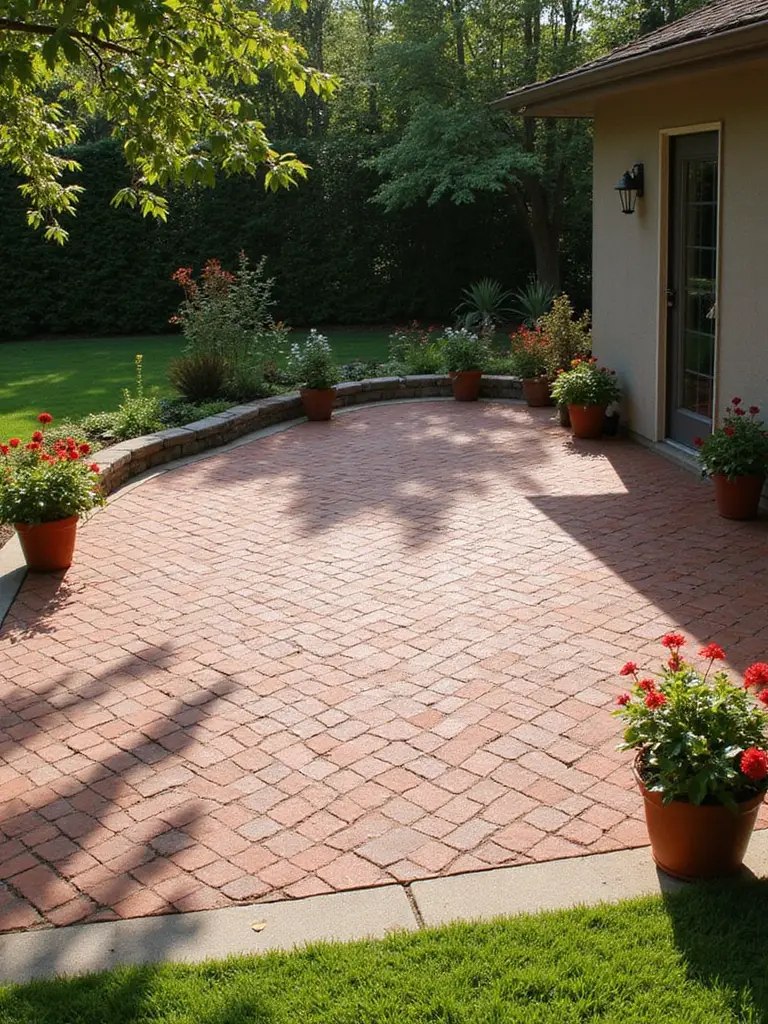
695, 957
72, 377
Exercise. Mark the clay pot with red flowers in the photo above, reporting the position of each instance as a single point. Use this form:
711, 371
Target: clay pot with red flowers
312, 364
701, 760
46, 486
587, 390
531, 355
735, 456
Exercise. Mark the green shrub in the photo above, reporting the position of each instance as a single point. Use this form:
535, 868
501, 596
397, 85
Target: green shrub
228, 316
139, 413
199, 376
485, 304
569, 338
177, 412
99, 427
246, 383
414, 349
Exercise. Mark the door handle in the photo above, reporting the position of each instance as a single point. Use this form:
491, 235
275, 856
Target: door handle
671, 296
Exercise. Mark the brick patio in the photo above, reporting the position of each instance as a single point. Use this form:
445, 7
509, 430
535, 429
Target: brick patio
347, 654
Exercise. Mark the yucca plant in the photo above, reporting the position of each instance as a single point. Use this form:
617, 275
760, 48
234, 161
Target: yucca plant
486, 302
533, 301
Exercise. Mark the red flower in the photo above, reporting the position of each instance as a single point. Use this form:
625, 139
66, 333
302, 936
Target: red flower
33, 446
625, 698
712, 651
674, 662
670, 640
655, 700
754, 410
629, 669
754, 763
37, 436
85, 449
763, 696
14, 442
73, 455
729, 431
647, 684
739, 412
71, 442
45, 417
5, 449
736, 401
46, 458
756, 675
94, 468
698, 441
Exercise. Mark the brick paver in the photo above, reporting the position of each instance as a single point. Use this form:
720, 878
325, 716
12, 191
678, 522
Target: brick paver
372, 650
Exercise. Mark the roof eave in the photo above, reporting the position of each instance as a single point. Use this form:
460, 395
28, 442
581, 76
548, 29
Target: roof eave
575, 95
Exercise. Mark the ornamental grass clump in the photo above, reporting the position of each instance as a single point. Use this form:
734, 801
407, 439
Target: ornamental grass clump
738, 447
311, 363
586, 383
699, 739
42, 481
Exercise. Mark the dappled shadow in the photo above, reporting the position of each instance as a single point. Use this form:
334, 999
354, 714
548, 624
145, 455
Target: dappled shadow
71, 847
412, 470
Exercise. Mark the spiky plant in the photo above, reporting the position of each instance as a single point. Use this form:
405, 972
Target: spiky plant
533, 301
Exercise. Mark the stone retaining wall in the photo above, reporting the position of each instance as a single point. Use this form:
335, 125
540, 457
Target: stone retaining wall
127, 459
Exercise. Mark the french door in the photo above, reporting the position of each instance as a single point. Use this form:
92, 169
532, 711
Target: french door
692, 286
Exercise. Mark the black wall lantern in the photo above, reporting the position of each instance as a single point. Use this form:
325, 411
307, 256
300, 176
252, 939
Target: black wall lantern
630, 187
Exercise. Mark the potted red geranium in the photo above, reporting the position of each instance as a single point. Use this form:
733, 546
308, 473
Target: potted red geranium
45, 487
531, 354
735, 455
702, 764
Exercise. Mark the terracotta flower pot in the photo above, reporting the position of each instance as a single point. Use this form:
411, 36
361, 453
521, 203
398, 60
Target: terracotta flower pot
738, 498
587, 420
466, 385
705, 841
536, 392
318, 402
48, 547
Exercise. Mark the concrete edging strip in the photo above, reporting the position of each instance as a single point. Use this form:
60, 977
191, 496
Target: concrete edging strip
13, 571
345, 916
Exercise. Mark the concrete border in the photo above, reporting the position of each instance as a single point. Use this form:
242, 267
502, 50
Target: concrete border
344, 916
13, 572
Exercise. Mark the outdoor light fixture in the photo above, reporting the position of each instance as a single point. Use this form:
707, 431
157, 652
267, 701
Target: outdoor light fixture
630, 186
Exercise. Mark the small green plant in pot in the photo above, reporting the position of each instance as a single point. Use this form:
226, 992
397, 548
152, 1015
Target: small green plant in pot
311, 363
701, 762
735, 455
45, 488
587, 390
464, 358
531, 357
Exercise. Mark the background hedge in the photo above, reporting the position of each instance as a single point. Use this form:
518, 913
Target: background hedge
336, 257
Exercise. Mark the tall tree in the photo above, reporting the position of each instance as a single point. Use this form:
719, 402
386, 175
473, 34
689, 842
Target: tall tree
171, 78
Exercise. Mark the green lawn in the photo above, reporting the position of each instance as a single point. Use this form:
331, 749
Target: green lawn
70, 377
698, 957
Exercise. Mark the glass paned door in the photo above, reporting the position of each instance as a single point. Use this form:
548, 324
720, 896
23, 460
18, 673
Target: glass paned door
692, 292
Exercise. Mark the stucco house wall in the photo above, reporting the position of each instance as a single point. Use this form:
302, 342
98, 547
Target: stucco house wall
630, 251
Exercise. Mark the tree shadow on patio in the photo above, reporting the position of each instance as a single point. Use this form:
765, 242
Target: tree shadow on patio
105, 821
411, 473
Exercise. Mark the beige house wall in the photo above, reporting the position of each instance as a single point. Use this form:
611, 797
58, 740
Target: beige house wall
630, 251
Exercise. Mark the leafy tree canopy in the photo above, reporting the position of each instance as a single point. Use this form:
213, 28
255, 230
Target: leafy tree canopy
174, 79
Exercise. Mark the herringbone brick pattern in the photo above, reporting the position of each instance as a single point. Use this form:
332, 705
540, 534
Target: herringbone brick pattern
377, 649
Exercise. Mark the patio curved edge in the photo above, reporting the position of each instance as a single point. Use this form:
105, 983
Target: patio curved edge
121, 462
